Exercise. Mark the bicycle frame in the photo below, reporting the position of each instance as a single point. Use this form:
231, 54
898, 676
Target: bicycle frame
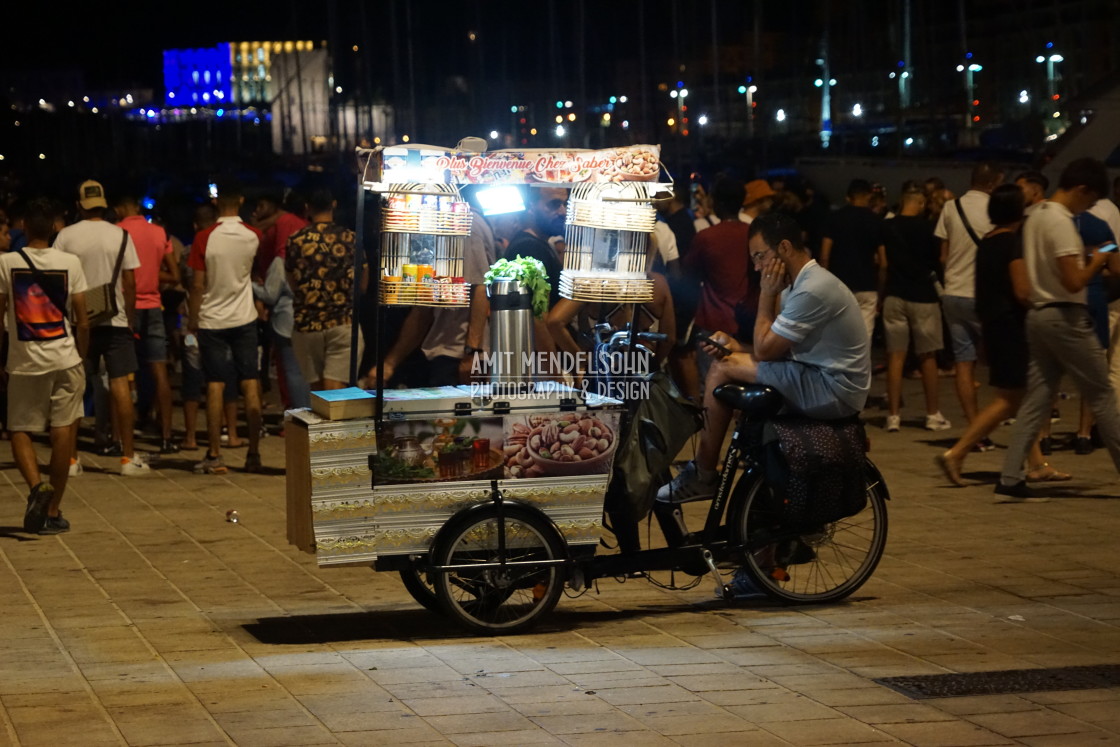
691, 552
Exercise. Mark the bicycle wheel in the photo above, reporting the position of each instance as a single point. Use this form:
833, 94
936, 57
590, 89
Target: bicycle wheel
818, 566
418, 581
510, 589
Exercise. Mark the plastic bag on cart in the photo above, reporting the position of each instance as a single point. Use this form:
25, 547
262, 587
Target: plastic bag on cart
657, 428
817, 469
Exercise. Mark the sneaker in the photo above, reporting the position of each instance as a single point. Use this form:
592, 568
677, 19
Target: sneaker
937, 422
134, 467
984, 444
167, 446
688, 486
109, 450
743, 587
210, 465
894, 423
37, 502
253, 462
76, 468
55, 525
1082, 445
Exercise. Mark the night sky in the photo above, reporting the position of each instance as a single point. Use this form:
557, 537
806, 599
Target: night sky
120, 42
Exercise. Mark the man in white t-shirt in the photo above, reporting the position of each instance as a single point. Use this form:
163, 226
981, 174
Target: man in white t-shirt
1060, 334
46, 379
958, 256
101, 246
224, 317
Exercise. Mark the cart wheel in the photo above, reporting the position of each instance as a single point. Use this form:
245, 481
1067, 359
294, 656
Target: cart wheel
818, 566
514, 587
417, 580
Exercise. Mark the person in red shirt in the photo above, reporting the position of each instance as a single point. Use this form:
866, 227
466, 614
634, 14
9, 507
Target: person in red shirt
276, 226
157, 265
718, 257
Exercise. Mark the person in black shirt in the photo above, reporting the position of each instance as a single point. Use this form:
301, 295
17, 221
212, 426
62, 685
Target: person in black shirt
1002, 295
850, 246
545, 218
909, 256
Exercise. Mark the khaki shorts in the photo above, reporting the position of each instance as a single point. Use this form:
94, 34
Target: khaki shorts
900, 318
38, 400
325, 354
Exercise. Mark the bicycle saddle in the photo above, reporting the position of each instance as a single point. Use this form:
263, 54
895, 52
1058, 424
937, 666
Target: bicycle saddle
754, 400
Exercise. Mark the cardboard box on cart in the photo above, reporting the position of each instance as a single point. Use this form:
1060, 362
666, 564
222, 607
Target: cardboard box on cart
437, 452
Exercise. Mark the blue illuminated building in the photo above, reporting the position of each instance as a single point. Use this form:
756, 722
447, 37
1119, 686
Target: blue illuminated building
198, 77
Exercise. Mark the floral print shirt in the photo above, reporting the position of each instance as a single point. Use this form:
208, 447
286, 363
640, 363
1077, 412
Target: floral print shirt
320, 260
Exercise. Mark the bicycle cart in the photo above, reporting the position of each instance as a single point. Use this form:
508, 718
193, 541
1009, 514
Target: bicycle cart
488, 499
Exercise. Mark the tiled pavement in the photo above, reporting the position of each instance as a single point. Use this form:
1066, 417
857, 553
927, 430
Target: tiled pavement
155, 621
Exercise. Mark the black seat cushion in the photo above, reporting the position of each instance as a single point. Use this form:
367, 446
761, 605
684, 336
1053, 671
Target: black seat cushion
754, 400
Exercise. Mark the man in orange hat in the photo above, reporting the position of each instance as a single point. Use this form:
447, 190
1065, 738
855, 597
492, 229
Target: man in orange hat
758, 200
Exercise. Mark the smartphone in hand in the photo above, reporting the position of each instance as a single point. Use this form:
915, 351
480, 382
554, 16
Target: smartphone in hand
706, 338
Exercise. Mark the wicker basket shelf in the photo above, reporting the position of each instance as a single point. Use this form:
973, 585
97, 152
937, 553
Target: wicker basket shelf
442, 222
619, 216
606, 288
409, 293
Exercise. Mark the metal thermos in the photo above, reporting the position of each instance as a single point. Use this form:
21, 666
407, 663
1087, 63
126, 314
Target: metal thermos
511, 332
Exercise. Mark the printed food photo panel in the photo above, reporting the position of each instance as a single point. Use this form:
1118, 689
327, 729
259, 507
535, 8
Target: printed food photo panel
452, 448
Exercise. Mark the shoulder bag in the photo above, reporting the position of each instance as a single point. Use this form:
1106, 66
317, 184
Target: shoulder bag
101, 301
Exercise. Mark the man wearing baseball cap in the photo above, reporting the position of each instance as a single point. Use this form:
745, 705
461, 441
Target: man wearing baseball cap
98, 243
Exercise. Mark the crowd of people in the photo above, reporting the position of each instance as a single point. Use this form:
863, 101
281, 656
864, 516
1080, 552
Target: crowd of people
96, 308
757, 281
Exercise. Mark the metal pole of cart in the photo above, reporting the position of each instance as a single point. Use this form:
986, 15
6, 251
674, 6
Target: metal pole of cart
356, 290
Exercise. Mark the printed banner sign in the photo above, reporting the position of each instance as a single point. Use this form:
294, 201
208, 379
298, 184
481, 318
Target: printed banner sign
422, 164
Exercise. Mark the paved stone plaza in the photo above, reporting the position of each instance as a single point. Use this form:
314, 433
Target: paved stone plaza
155, 621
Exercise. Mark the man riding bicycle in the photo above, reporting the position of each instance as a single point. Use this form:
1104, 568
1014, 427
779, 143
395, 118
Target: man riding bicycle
810, 344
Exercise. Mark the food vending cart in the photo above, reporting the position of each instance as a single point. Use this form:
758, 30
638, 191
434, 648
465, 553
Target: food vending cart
481, 495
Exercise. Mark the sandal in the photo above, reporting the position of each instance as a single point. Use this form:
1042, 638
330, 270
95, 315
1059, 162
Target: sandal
1047, 473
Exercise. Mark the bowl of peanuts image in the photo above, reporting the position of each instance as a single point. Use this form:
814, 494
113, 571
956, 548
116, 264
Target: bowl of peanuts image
579, 444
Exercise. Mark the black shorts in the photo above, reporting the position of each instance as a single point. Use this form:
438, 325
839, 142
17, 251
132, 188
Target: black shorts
1008, 353
229, 352
117, 346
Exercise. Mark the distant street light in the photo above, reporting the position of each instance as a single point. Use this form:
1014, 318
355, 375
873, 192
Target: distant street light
749, 91
1051, 77
680, 94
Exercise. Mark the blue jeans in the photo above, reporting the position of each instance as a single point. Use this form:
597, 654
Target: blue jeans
298, 390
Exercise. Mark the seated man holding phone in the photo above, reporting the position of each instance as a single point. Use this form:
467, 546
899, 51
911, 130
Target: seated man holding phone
810, 344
